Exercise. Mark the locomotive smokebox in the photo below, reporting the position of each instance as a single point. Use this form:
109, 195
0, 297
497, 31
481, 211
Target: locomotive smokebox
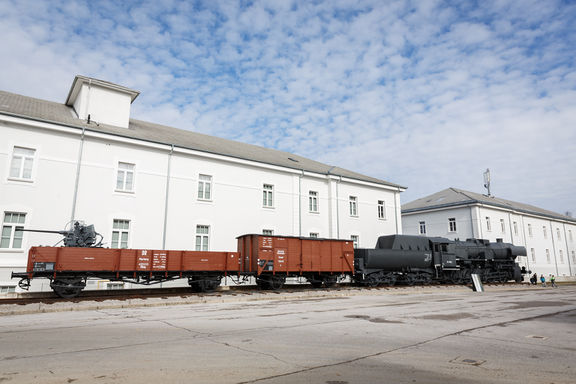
393, 259
505, 250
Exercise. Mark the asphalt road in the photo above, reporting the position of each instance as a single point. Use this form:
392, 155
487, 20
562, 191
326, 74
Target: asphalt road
499, 336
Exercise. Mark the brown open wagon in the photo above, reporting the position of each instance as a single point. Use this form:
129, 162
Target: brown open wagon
274, 258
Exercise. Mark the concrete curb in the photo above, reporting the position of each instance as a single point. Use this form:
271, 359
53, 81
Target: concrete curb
216, 298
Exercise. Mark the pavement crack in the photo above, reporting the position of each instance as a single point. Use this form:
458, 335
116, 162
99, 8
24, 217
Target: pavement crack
251, 351
359, 358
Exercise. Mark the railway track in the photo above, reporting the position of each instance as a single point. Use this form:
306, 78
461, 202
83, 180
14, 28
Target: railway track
185, 292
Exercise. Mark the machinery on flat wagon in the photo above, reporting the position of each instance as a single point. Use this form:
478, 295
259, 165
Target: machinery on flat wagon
424, 260
270, 260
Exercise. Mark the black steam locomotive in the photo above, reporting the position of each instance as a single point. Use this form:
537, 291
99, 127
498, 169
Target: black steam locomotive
424, 260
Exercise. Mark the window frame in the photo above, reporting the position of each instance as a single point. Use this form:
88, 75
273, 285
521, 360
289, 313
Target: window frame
268, 232
452, 225
267, 195
125, 172
355, 241
382, 210
502, 226
204, 245
313, 206
21, 169
14, 228
422, 227
488, 224
121, 231
533, 254
353, 205
314, 235
202, 190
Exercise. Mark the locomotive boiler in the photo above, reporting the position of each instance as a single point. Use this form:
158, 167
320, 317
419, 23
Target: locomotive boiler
423, 260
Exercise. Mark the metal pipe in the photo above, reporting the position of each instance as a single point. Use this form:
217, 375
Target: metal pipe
77, 181
554, 247
567, 251
167, 196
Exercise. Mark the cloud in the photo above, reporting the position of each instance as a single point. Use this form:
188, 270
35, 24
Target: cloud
420, 93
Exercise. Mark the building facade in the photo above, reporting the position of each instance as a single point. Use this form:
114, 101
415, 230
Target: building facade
145, 185
549, 237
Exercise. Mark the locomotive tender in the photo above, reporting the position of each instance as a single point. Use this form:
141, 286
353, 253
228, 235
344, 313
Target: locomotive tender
270, 260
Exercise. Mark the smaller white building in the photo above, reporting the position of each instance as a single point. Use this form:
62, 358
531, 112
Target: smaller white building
549, 237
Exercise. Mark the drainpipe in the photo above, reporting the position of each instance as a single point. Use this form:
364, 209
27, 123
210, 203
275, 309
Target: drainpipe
77, 181
338, 208
567, 250
167, 196
300, 203
396, 196
554, 247
526, 244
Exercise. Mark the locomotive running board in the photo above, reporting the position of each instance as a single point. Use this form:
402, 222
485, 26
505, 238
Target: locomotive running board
477, 282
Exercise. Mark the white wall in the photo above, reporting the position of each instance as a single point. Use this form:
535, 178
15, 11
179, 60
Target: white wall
472, 222
235, 207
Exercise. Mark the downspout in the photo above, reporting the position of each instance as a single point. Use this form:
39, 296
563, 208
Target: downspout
567, 250
526, 244
77, 182
554, 247
300, 203
167, 196
396, 209
472, 222
338, 208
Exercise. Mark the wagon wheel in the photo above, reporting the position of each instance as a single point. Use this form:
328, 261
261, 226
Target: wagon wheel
67, 289
275, 283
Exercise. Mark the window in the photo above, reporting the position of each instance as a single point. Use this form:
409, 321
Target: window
268, 232
353, 206
561, 256
573, 257
547, 255
381, 210
533, 253
202, 237
313, 201
7, 288
12, 230
452, 224
204, 187
558, 234
544, 232
570, 235
125, 178
488, 224
515, 224
422, 227
314, 235
502, 226
120, 233
22, 162
530, 230
355, 240
268, 196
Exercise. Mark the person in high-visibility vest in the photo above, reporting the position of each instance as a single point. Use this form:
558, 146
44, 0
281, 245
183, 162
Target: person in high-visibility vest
553, 281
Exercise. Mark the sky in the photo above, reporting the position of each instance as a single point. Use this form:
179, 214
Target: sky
425, 94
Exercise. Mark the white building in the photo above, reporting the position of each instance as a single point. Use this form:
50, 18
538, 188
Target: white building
549, 237
145, 185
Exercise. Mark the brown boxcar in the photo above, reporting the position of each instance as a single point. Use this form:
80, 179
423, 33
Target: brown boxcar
273, 258
68, 267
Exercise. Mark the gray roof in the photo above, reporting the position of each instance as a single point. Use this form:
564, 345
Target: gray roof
452, 197
47, 111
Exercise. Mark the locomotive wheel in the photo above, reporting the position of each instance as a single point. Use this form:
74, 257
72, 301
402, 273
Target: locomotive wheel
67, 288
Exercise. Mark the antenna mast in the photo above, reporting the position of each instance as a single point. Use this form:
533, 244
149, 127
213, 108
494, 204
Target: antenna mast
487, 180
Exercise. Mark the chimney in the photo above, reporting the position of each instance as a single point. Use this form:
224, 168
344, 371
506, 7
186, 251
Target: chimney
101, 102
